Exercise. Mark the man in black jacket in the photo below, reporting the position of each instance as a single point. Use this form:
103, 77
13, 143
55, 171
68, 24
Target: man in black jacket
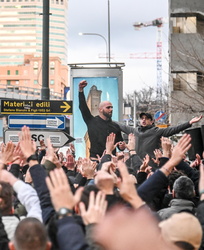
100, 126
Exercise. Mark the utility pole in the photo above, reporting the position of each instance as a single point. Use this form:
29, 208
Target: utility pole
45, 91
109, 49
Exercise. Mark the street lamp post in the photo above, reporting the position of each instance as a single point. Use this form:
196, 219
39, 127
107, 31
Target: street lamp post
45, 91
96, 34
109, 53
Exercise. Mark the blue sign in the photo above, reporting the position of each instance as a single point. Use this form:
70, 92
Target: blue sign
36, 121
160, 116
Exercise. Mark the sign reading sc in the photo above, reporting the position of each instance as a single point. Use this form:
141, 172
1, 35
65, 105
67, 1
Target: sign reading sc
57, 138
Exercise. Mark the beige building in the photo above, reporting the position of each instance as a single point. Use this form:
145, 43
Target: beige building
186, 59
21, 45
24, 81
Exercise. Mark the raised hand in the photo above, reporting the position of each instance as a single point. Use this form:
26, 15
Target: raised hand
127, 188
56, 161
178, 154
145, 163
196, 162
7, 153
70, 163
166, 145
131, 142
50, 154
18, 155
61, 157
158, 155
88, 168
110, 146
196, 119
96, 209
72, 148
106, 166
201, 181
181, 148
60, 191
28, 147
82, 85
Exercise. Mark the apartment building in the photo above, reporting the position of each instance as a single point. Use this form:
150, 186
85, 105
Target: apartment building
186, 43
21, 45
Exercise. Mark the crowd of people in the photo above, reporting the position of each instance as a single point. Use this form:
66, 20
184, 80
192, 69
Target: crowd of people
144, 195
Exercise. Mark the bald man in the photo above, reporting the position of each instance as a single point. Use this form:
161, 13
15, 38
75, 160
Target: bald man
100, 126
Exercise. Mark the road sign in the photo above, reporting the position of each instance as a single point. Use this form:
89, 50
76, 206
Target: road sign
162, 125
36, 107
36, 121
57, 138
160, 116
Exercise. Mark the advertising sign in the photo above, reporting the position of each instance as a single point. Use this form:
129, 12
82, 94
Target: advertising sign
104, 84
35, 107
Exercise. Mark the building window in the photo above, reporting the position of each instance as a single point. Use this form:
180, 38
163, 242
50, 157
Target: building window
17, 72
35, 68
52, 68
35, 82
200, 79
8, 82
8, 72
52, 82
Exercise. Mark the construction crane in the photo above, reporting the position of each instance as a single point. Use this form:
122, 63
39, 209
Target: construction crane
158, 23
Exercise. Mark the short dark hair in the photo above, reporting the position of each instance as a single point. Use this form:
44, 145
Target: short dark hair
6, 194
184, 188
174, 175
148, 115
30, 234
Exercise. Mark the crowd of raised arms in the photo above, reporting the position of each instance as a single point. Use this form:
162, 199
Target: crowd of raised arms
129, 197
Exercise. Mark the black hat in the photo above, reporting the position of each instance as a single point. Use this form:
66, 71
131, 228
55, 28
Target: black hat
148, 115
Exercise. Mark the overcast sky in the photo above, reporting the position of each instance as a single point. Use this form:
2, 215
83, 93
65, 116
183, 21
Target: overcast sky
91, 16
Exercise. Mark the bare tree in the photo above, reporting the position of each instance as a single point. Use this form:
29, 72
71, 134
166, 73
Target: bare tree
146, 100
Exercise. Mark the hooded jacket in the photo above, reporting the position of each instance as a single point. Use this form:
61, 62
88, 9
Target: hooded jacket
148, 138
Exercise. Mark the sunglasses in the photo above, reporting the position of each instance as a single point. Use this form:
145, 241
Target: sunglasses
109, 107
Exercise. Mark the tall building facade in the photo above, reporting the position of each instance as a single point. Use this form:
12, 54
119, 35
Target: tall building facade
21, 24
186, 59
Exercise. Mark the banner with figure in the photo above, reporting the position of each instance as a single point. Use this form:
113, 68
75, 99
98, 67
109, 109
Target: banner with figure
99, 89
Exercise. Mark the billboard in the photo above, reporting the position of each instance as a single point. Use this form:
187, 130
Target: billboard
103, 84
